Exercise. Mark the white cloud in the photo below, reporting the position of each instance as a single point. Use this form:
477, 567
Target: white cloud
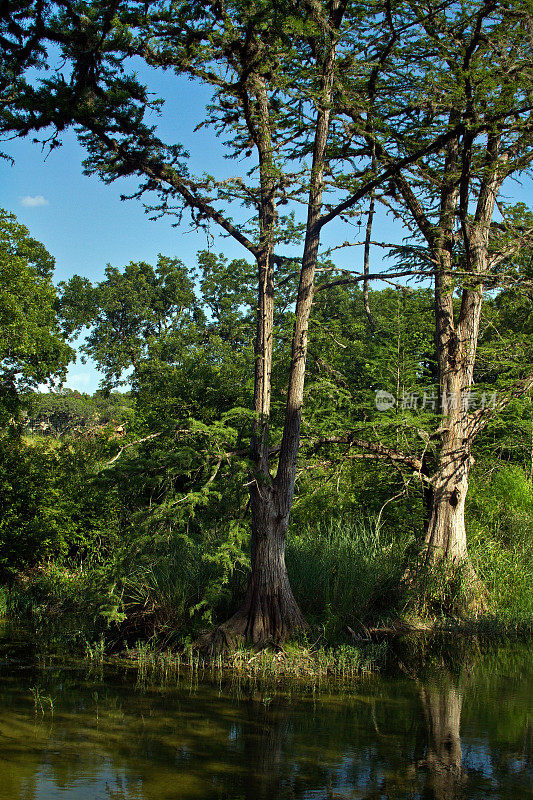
34, 202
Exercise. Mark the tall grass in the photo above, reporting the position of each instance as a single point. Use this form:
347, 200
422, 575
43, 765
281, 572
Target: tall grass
159, 599
347, 572
500, 526
3, 602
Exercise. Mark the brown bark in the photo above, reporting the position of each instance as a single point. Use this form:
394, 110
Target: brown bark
456, 345
286, 474
446, 534
442, 713
455, 339
269, 610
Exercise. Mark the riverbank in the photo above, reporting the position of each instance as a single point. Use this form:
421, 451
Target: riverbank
407, 646
402, 646
361, 608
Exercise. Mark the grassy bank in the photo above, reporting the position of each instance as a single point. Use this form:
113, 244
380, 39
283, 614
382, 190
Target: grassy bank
296, 661
346, 575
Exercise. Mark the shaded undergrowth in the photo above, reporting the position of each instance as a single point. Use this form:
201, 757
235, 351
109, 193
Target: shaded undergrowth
348, 576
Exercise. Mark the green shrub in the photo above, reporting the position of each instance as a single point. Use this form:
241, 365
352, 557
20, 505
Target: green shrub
66, 607
54, 504
152, 587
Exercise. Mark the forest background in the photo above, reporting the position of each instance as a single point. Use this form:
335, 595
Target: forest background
128, 514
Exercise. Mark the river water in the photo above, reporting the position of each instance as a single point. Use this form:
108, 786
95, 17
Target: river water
452, 731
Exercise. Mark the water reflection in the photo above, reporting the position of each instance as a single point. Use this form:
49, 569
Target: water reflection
444, 758
452, 736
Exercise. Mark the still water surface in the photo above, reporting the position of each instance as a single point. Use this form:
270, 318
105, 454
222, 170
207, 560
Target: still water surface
455, 733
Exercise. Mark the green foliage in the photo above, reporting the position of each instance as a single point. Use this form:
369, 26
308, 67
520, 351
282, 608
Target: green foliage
157, 587
503, 503
66, 608
144, 532
54, 505
69, 412
499, 518
501, 524
175, 584
173, 491
3, 602
438, 593
32, 348
127, 310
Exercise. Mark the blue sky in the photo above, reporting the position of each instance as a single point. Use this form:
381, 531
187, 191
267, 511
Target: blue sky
84, 224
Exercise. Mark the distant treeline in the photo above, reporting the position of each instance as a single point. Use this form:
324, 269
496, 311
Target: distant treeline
69, 412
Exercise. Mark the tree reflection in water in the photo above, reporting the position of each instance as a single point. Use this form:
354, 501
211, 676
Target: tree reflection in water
265, 746
444, 762
383, 738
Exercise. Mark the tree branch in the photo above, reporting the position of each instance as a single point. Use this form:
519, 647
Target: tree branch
379, 451
131, 444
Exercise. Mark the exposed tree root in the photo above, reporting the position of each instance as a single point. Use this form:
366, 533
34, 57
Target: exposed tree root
263, 624
454, 585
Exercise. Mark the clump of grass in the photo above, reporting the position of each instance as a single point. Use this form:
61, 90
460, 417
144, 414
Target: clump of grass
95, 651
157, 599
292, 661
438, 592
297, 661
41, 701
500, 526
155, 665
347, 573
507, 574
4, 602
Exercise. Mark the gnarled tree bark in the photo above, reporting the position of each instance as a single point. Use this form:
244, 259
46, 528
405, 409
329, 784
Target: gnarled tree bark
269, 611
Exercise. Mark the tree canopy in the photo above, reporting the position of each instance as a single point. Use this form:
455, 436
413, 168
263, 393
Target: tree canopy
33, 349
333, 107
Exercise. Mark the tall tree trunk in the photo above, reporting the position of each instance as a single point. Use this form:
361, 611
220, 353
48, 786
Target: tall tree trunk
456, 346
445, 541
269, 610
446, 533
